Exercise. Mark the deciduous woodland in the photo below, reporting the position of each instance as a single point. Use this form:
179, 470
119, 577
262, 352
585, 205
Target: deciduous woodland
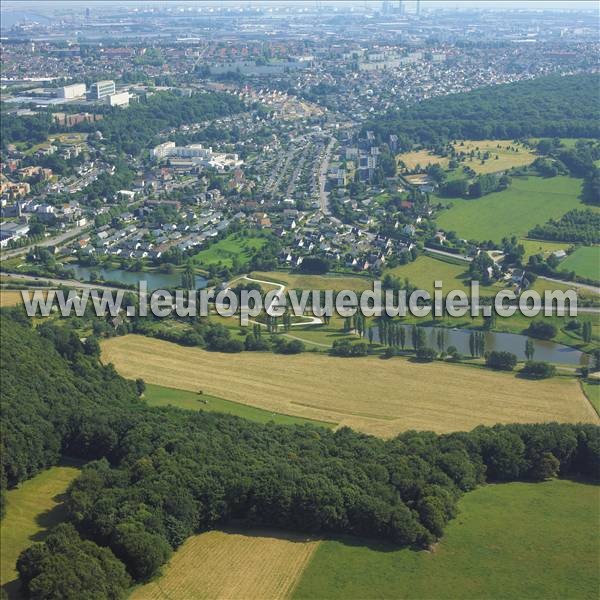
500, 112
155, 476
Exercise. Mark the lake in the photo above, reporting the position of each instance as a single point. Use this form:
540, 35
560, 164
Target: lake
546, 351
155, 280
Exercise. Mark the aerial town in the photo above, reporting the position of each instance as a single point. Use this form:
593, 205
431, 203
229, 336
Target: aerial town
299, 299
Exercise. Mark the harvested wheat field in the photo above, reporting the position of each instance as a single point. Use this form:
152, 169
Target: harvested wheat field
232, 566
10, 298
382, 397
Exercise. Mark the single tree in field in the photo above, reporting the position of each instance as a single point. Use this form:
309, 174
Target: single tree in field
402, 333
472, 347
371, 334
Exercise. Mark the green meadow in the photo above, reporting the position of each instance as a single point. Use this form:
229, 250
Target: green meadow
527, 202
235, 246
585, 261
515, 540
32, 509
157, 395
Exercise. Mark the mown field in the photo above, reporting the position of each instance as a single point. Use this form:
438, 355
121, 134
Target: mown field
224, 251
230, 565
10, 298
157, 395
31, 510
541, 247
585, 261
315, 282
514, 211
369, 394
591, 389
427, 269
515, 540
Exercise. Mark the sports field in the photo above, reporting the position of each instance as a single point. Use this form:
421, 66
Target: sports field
509, 541
229, 565
514, 211
585, 261
157, 395
31, 510
368, 394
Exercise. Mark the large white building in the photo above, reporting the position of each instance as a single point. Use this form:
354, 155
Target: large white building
198, 155
120, 99
102, 89
70, 92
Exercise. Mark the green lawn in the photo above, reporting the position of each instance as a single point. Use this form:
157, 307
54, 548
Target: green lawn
585, 261
424, 271
591, 389
516, 540
31, 510
514, 211
233, 246
541, 247
156, 395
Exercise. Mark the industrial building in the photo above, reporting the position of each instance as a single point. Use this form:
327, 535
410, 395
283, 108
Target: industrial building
102, 89
70, 92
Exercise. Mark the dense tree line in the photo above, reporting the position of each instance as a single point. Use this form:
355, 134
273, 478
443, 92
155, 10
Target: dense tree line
533, 108
158, 475
575, 226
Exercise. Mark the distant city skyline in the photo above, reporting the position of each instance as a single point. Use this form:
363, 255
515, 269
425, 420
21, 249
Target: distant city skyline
410, 4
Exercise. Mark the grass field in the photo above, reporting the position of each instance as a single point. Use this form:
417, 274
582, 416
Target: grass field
422, 158
372, 395
424, 271
506, 150
315, 282
156, 395
514, 211
509, 155
231, 565
541, 247
31, 510
592, 391
224, 251
515, 540
585, 261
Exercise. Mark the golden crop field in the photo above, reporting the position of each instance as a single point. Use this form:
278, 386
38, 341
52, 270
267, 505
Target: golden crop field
422, 158
381, 397
10, 298
229, 565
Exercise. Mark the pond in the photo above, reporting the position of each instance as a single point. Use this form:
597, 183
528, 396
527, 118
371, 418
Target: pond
544, 350
155, 280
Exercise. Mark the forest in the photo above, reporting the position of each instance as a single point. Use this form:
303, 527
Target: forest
535, 108
575, 226
155, 476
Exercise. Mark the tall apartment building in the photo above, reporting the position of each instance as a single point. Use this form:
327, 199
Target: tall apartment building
101, 89
70, 92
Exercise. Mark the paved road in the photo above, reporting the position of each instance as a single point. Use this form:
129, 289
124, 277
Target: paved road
443, 253
323, 195
575, 284
64, 282
50, 241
